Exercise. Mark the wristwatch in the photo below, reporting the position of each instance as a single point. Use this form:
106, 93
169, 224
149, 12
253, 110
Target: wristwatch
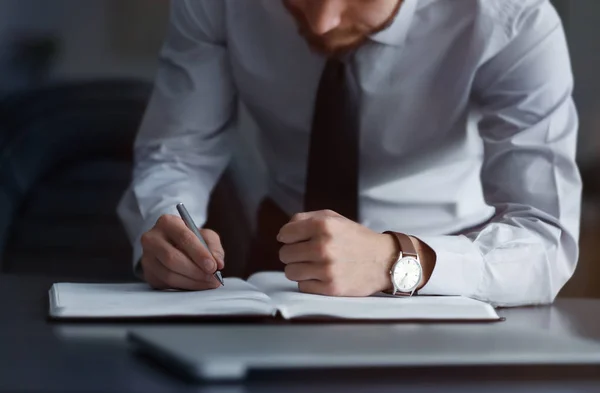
406, 273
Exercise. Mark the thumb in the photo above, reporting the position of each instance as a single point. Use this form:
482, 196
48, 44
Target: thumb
214, 244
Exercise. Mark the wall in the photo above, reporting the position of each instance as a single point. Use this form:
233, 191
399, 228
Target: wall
14, 20
92, 33
583, 21
98, 42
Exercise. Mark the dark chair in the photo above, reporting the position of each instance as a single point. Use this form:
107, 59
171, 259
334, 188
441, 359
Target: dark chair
65, 161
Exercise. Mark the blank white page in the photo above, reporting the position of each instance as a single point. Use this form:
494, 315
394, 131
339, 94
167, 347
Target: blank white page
293, 304
237, 297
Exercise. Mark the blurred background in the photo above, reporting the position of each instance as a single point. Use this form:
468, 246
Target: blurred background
74, 79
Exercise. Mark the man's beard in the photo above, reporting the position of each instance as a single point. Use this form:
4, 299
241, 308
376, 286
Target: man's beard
339, 41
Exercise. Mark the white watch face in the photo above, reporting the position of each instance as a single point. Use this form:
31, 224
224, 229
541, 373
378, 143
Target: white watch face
406, 274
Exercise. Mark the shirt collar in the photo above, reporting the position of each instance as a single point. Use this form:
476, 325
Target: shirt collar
395, 34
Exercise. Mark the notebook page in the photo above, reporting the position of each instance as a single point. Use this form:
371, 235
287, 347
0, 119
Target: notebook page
237, 297
293, 304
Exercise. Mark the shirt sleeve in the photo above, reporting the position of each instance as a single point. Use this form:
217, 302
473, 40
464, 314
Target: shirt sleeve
183, 145
529, 249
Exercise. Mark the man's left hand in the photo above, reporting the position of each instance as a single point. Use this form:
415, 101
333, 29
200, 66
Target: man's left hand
328, 254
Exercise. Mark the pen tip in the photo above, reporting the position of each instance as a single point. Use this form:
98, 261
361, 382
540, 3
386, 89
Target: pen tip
220, 278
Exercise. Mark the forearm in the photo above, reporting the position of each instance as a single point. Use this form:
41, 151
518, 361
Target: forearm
528, 126
160, 182
506, 265
183, 145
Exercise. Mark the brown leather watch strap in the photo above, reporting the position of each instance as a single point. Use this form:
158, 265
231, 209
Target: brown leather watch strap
407, 248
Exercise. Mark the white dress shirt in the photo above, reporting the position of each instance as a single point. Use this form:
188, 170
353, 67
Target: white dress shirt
468, 132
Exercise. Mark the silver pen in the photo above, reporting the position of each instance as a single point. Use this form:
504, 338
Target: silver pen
189, 222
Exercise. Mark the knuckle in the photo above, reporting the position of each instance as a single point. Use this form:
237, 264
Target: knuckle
323, 251
320, 223
289, 273
170, 260
146, 239
303, 287
330, 223
208, 265
329, 212
210, 233
219, 254
297, 217
325, 225
161, 221
329, 272
187, 238
170, 280
145, 262
334, 289
282, 256
164, 220
292, 272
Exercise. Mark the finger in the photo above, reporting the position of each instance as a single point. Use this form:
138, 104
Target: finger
314, 287
308, 251
216, 248
322, 225
298, 231
151, 278
313, 214
176, 261
303, 271
175, 280
185, 240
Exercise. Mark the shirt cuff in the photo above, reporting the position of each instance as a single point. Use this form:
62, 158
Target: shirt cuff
458, 266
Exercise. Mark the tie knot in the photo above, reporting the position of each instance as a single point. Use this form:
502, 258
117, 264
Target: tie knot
335, 68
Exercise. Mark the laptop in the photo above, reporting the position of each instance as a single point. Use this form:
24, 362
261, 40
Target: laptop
230, 352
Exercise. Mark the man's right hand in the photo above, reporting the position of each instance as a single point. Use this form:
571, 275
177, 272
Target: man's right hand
174, 258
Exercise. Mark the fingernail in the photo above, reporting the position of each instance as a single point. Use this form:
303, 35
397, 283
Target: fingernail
209, 265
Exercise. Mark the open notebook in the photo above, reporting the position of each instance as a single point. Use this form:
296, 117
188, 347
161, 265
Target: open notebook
264, 294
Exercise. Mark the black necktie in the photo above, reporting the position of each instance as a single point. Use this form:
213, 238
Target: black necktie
332, 177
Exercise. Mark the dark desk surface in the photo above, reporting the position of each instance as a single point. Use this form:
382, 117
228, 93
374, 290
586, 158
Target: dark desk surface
39, 356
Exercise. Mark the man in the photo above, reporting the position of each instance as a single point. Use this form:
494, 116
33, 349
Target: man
439, 129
